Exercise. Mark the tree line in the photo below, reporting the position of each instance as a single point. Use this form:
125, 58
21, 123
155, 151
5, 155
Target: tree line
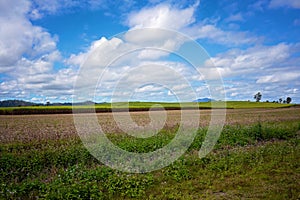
258, 97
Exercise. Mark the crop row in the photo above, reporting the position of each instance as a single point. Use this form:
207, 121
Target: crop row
135, 106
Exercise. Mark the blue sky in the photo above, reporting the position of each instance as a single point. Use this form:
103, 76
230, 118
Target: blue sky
253, 45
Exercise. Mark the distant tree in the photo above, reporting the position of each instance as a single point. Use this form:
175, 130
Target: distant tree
280, 100
48, 103
288, 100
267, 101
258, 96
284, 101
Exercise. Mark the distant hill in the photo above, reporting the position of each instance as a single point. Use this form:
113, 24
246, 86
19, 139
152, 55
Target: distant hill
204, 100
16, 103
19, 103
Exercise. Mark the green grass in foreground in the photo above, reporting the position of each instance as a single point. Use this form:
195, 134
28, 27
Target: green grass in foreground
259, 161
138, 106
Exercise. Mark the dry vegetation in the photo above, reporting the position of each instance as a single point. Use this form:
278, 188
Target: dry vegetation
25, 128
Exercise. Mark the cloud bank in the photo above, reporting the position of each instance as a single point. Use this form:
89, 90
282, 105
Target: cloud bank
32, 67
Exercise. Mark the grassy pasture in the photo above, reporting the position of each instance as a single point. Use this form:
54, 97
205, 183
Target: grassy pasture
256, 157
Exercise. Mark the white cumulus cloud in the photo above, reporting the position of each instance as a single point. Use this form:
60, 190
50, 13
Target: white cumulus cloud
162, 16
285, 3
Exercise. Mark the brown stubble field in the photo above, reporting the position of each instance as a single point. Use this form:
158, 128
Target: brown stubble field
34, 128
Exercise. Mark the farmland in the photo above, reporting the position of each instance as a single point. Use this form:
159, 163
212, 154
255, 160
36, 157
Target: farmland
256, 157
136, 106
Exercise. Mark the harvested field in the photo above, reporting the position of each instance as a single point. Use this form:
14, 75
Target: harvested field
24, 128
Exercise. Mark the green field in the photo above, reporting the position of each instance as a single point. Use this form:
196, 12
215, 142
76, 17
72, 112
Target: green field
137, 106
256, 157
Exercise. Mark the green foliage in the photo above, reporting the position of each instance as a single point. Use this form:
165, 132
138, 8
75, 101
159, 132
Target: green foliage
141, 145
131, 185
178, 171
261, 157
